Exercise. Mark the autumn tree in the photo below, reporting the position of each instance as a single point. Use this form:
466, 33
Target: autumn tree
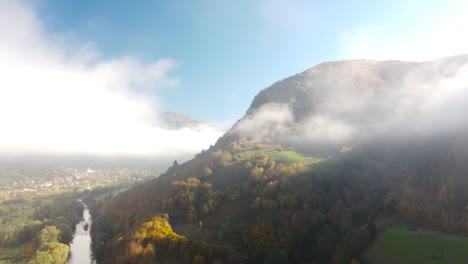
42, 257
46, 235
49, 250
256, 173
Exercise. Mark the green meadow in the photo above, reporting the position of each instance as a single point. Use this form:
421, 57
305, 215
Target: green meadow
287, 157
403, 246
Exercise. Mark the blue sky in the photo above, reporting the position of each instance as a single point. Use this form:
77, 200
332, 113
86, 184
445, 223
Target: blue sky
89, 76
227, 51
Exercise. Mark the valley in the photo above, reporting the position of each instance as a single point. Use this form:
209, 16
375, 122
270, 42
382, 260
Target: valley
233, 132
38, 198
293, 181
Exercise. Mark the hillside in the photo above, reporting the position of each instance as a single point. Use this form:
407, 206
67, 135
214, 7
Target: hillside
321, 162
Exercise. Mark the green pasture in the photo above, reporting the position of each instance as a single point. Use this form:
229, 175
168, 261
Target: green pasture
403, 246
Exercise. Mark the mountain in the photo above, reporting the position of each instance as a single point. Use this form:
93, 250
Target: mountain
321, 162
348, 102
175, 121
316, 90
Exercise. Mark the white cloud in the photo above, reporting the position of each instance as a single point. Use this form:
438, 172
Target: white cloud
326, 130
54, 99
276, 121
269, 120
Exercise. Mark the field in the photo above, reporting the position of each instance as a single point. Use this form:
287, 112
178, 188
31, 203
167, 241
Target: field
15, 255
17, 212
14, 214
287, 157
402, 246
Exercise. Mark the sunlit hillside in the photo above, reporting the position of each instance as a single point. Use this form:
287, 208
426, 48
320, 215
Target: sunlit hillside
260, 196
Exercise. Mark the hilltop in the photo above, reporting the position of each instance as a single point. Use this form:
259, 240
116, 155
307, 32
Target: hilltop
175, 120
316, 90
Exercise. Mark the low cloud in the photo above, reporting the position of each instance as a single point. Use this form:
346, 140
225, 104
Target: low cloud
271, 120
59, 97
422, 100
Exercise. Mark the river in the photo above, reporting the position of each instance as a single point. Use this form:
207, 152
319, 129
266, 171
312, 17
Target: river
80, 247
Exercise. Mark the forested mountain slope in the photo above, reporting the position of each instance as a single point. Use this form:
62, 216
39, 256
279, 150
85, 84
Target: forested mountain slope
319, 163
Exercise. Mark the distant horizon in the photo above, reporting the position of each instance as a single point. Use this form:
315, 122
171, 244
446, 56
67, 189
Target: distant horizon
83, 161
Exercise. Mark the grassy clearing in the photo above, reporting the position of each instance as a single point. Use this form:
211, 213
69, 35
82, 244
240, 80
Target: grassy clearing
407, 247
287, 157
15, 255
14, 216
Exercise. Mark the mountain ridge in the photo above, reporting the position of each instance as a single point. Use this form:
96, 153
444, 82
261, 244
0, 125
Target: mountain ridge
369, 76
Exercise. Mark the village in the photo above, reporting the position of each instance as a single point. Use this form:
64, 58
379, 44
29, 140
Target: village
80, 179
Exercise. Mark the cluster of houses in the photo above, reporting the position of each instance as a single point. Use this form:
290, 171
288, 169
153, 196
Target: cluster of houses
76, 179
